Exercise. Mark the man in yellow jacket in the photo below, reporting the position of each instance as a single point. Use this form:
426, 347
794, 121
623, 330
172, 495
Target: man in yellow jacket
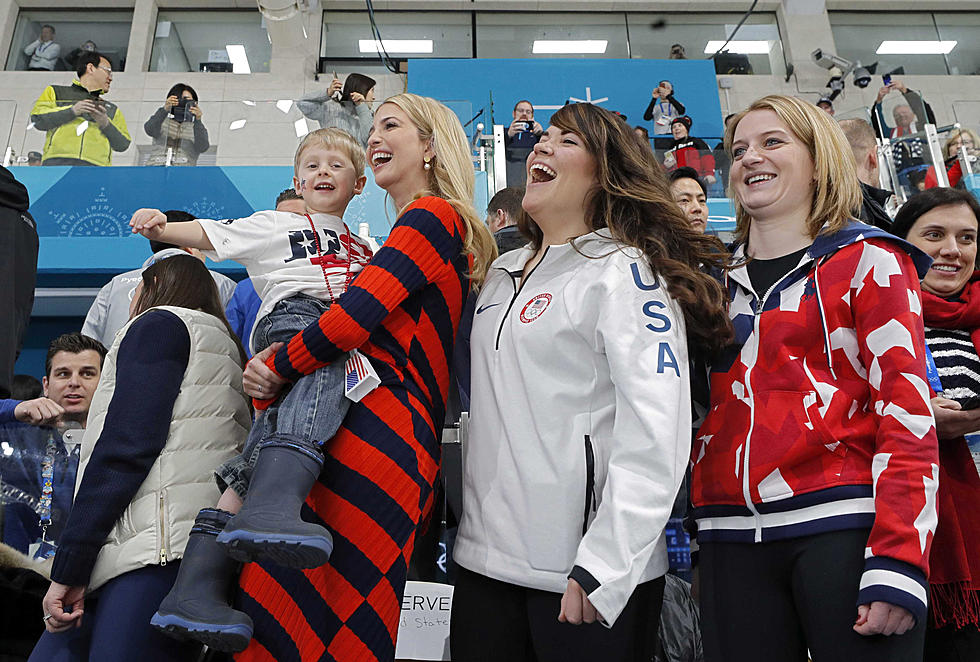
82, 127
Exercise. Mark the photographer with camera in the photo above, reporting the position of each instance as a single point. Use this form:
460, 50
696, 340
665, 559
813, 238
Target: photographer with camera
663, 108
82, 127
179, 135
519, 139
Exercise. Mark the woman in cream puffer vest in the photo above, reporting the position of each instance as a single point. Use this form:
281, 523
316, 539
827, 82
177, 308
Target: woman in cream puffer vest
168, 410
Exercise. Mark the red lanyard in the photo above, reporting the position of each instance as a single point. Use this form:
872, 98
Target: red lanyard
319, 253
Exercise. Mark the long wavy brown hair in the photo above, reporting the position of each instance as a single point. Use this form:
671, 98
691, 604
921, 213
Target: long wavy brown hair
631, 197
184, 281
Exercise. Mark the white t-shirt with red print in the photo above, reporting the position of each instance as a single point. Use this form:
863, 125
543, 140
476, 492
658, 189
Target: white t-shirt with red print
287, 254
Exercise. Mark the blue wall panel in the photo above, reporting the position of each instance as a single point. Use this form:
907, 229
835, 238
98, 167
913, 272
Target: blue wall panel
621, 85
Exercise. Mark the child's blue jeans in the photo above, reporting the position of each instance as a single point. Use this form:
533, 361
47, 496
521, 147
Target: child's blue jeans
307, 414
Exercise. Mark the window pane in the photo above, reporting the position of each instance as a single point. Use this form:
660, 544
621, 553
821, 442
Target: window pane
447, 34
205, 41
510, 35
964, 59
109, 30
652, 35
858, 36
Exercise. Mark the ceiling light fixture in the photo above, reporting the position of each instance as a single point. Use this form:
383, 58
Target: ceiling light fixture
915, 47
395, 45
569, 46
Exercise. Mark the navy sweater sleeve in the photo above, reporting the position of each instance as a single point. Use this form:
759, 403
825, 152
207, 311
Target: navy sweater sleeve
150, 368
7, 408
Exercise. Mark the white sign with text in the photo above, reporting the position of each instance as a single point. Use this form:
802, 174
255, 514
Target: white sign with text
423, 632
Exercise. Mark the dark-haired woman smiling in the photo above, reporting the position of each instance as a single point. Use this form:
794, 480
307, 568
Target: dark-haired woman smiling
581, 410
943, 223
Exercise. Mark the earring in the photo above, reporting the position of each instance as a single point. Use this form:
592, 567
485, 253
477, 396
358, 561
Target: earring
427, 165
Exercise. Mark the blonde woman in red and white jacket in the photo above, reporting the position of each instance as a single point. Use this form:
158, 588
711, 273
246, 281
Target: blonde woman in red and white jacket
815, 471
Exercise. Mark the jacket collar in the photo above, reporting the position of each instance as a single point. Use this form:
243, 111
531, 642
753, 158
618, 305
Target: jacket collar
593, 244
853, 232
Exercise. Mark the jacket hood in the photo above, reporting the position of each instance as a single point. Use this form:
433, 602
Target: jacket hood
853, 232
13, 194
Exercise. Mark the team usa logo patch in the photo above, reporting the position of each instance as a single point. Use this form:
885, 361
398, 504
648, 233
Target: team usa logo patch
533, 308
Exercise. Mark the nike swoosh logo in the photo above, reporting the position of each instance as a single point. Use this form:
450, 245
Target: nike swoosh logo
482, 308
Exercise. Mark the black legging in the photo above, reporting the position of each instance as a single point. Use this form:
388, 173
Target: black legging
493, 621
773, 601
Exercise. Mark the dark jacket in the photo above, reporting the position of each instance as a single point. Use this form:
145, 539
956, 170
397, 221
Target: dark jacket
873, 206
18, 266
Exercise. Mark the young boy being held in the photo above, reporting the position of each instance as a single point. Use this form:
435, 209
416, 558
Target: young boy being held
299, 265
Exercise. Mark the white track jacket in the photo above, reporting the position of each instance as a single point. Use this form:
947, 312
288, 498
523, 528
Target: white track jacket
580, 424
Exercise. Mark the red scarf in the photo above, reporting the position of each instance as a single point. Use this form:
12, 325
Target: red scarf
954, 562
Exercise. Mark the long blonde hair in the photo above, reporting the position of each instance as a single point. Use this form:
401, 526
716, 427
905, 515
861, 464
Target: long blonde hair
837, 191
451, 175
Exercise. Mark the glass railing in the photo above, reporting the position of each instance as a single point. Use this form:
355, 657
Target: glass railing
917, 161
38, 466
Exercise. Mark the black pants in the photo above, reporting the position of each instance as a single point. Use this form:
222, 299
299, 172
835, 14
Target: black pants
493, 621
18, 265
773, 601
951, 644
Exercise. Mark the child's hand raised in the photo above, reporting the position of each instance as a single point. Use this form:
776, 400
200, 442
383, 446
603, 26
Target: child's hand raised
149, 222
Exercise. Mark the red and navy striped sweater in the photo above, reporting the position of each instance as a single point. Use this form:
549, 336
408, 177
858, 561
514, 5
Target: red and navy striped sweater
401, 311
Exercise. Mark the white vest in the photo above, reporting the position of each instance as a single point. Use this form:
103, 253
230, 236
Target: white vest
209, 425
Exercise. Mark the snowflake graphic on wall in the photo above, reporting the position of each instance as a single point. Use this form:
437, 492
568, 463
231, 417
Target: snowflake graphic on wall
98, 218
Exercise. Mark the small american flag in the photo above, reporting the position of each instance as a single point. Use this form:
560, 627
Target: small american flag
360, 378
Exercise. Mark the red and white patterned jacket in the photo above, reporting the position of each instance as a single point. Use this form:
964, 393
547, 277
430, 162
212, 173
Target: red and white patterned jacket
796, 444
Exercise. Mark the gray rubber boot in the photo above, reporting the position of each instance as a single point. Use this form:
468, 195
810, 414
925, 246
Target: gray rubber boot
197, 607
269, 527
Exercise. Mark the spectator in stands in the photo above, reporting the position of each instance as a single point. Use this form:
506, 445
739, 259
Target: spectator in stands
663, 108
82, 127
73, 367
346, 107
110, 310
957, 140
909, 118
502, 214
26, 387
34, 158
687, 151
581, 397
677, 52
723, 164
168, 411
71, 374
37, 470
519, 139
18, 265
822, 408
243, 307
43, 51
875, 201
691, 195
943, 223
642, 133
178, 132
385, 459
87, 47
826, 104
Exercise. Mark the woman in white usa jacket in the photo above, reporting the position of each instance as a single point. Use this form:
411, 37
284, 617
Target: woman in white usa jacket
581, 413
